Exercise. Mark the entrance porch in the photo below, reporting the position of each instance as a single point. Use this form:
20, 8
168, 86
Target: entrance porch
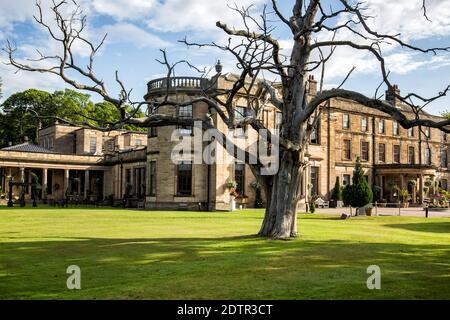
53, 184
418, 180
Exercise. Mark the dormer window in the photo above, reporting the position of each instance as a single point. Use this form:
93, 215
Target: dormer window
93, 145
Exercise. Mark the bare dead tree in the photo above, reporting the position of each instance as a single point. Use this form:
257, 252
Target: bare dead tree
256, 52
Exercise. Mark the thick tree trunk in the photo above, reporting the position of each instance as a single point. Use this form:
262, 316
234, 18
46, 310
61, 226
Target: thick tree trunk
280, 220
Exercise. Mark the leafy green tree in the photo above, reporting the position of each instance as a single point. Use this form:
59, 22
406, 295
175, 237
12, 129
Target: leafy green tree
24, 113
19, 115
359, 193
104, 112
77, 108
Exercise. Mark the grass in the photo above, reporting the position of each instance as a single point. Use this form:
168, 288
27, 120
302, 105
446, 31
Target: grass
126, 254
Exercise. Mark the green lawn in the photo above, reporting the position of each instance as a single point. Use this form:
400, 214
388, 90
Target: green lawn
190, 255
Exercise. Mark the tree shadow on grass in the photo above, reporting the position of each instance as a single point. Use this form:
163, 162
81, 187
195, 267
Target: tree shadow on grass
236, 267
438, 227
321, 217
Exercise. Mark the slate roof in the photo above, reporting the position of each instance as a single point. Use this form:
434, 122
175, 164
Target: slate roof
28, 147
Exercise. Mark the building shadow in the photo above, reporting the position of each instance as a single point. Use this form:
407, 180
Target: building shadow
437, 227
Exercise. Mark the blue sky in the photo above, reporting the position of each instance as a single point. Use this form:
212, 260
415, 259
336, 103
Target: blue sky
137, 29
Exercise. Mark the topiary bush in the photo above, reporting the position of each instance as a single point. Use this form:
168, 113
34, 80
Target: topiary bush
337, 191
359, 193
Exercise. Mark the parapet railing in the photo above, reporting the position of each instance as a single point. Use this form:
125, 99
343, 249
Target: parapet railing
187, 83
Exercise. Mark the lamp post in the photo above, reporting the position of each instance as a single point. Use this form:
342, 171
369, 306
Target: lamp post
10, 202
218, 67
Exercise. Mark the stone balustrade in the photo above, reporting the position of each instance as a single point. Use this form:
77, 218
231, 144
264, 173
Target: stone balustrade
183, 83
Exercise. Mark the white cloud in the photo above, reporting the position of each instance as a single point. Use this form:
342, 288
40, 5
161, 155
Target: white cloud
15, 11
406, 17
129, 33
124, 9
15, 82
195, 15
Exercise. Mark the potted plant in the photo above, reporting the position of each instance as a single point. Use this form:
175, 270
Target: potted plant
242, 201
369, 209
404, 197
256, 185
231, 185
233, 196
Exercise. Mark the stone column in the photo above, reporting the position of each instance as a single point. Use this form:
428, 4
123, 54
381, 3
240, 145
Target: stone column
86, 184
433, 181
22, 174
306, 184
402, 181
78, 184
380, 184
66, 181
44, 182
132, 181
421, 188
104, 184
124, 181
414, 190
29, 188
8, 179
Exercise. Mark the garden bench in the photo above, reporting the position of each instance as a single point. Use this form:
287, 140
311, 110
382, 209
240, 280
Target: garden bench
320, 203
141, 204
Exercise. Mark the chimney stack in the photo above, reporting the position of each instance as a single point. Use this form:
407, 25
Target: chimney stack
391, 95
311, 85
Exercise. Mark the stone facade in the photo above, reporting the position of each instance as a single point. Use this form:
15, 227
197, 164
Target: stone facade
346, 130
77, 162
88, 163
390, 154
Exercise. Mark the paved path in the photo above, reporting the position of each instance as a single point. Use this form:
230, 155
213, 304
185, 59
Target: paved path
411, 212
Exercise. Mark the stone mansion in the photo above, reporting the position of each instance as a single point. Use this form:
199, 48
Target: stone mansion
91, 165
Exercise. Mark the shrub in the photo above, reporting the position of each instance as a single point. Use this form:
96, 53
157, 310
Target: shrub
337, 191
404, 195
347, 194
359, 193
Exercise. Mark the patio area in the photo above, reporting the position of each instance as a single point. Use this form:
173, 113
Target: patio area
390, 211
